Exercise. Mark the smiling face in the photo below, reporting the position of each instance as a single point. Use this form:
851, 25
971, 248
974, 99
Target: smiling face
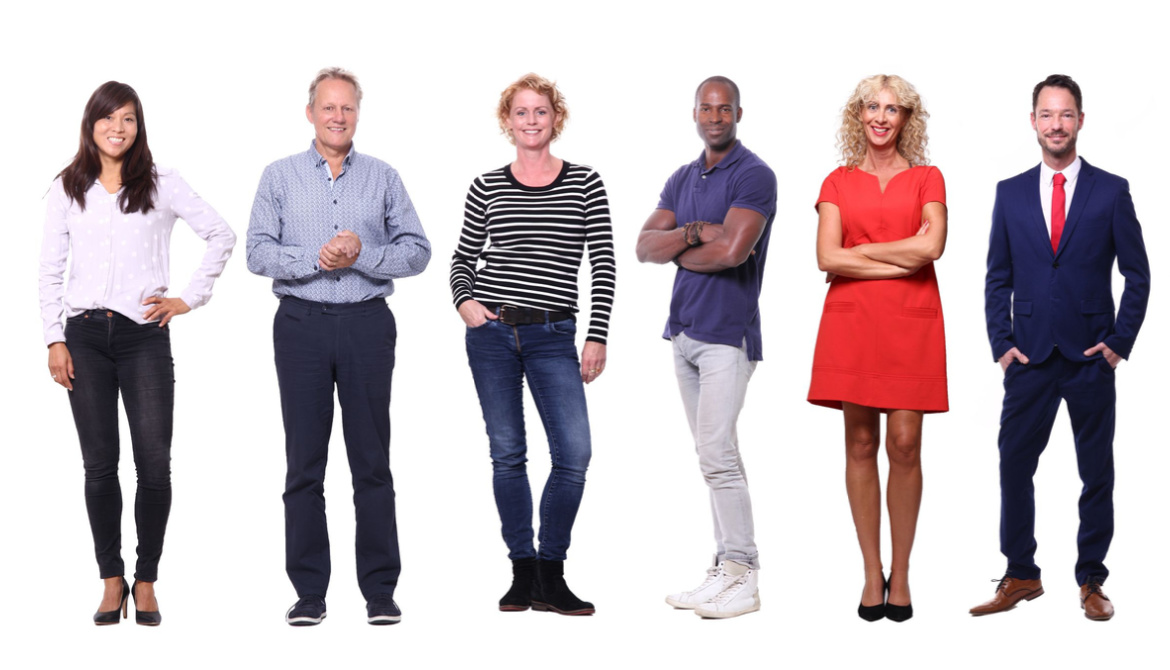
114, 133
334, 115
883, 119
1057, 120
716, 114
531, 119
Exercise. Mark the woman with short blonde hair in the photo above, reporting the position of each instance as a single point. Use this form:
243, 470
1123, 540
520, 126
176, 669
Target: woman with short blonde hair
526, 228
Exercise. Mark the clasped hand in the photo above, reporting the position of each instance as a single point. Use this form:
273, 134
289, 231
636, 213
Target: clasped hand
339, 252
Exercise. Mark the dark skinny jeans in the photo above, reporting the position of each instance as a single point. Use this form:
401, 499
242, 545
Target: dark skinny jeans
112, 355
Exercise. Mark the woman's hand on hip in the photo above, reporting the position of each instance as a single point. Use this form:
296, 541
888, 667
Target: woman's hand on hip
61, 364
592, 361
474, 314
164, 308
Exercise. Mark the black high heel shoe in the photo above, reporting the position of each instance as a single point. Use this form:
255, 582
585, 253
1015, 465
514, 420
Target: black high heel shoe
875, 612
898, 613
144, 618
111, 617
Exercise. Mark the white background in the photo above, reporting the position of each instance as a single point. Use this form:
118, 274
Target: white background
224, 89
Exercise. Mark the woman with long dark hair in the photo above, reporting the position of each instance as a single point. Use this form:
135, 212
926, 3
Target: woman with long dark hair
112, 211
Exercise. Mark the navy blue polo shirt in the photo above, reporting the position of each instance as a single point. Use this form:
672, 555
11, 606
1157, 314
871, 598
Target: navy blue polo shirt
721, 307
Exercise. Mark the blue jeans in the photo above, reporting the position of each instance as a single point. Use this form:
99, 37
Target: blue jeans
113, 355
501, 356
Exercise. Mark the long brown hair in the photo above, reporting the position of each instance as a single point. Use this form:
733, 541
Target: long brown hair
139, 178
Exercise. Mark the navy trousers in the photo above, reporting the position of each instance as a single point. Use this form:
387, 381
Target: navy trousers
350, 346
1032, 394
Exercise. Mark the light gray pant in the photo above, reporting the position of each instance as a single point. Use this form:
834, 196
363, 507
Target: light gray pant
713, 380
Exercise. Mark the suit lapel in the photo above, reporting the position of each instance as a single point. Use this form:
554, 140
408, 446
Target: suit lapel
1085, 181
1035, 212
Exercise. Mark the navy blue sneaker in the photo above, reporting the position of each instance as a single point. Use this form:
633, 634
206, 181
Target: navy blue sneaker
382, 610
308, 611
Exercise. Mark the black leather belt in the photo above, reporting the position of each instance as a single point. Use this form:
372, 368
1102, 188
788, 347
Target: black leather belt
521, 316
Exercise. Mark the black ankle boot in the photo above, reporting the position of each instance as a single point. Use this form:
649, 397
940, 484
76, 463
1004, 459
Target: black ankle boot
519, 597
550, 593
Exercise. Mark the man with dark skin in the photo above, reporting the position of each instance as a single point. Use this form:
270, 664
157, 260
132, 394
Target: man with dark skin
717, 114
713, 220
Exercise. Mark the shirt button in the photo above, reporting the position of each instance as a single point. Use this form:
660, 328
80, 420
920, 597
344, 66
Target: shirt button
335, 202
334, 227
337, 278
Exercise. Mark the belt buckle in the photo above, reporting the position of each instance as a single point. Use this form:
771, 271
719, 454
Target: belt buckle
509, 315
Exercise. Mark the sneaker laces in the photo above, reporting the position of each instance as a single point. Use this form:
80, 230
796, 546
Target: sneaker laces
732, 589
713, 574
308, 601
381, 599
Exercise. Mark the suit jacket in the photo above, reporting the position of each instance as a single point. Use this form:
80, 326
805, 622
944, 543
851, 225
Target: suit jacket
1036, 300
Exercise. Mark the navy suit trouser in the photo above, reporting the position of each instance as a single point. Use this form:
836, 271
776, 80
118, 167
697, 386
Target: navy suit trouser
1032, 394
351, 346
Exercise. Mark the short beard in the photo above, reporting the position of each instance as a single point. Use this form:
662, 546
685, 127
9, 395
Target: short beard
1071, 145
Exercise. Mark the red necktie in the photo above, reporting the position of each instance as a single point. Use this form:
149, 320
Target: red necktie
1057, 209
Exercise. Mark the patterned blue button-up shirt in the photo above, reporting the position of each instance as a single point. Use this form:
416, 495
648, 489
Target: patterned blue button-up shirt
299, 207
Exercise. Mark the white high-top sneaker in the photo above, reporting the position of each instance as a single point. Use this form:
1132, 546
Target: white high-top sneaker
740, 594
711, 587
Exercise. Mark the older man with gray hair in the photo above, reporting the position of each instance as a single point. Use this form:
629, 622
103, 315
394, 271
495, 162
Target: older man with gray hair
333, 229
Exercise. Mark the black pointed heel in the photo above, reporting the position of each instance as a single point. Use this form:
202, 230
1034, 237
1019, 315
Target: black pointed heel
898, 613
875, 612
144, 618
111, 617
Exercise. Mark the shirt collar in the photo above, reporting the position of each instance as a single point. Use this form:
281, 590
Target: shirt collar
732, 156
319, 160
1070, 173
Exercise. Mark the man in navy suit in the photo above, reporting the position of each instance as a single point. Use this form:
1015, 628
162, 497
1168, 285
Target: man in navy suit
1055, 233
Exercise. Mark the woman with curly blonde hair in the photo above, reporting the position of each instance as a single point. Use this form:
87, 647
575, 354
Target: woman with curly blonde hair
881, 348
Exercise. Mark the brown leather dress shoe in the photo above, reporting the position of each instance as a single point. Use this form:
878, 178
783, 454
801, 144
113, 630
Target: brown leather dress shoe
1095, 603
1009, 592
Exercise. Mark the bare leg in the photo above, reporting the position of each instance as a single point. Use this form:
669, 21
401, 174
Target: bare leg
862, 437
903, 495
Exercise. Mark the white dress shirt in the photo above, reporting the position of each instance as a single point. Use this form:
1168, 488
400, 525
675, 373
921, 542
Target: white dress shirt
1046, 174
119, 259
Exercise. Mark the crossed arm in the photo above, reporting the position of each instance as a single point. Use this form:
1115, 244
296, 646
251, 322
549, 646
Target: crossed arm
880, 260
722, 245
